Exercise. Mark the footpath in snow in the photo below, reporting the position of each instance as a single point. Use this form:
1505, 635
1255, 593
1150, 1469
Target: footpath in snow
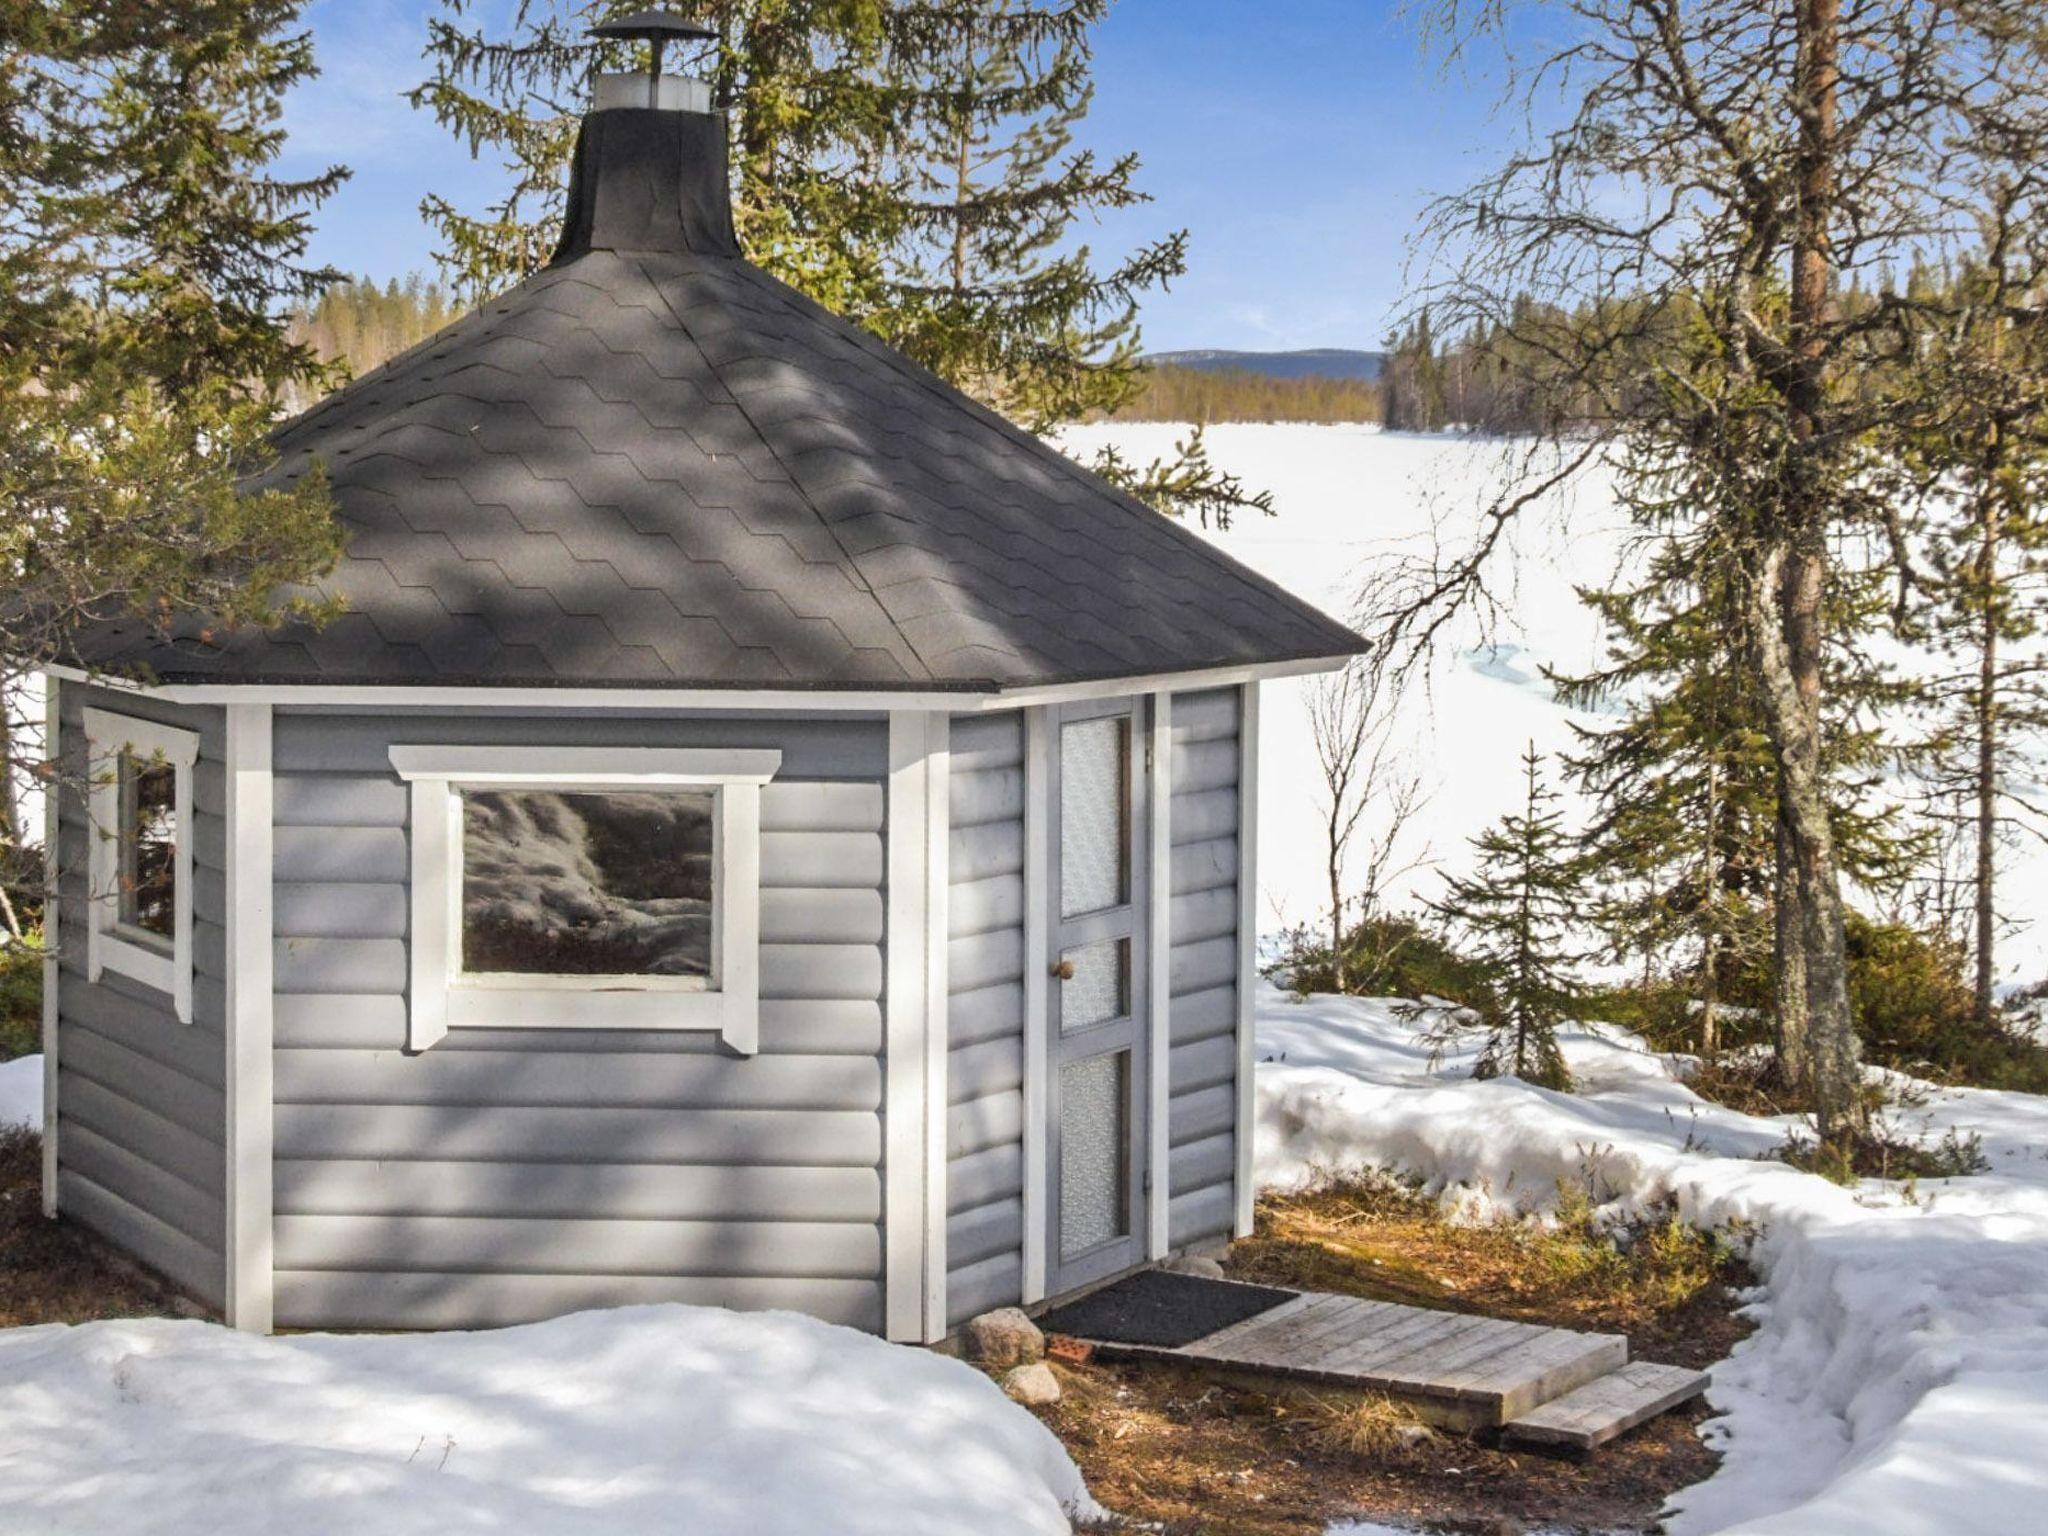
1897, 1383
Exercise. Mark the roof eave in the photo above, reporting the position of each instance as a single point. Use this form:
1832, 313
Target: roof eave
953, 698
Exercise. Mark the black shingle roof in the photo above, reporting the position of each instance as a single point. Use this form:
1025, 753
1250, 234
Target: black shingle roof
653, 465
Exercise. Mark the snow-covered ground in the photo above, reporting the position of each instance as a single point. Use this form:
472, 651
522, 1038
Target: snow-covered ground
21, 1092
1349, 498
1897, 1383
653, 1419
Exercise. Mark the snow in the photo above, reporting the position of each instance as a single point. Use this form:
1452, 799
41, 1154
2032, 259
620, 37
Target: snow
651, 1419
1351, 497
21, 1092
1897, 1383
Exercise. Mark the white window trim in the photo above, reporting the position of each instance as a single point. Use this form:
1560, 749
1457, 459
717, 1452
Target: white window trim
108, 735
443, 999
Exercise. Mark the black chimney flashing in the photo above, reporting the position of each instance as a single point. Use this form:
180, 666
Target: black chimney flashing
651, 181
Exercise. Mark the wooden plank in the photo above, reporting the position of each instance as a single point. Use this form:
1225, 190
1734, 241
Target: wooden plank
1409, 1359
1558, 1366
1430, 1367
1286, 1336
1324, 1329
1610, 1405
1390, 1339
1222, 1337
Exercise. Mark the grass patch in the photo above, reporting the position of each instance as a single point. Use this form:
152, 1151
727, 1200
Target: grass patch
1874, 1154
51, 1271
21, 1000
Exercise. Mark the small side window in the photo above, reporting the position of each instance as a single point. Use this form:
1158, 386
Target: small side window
140, 879
146, 836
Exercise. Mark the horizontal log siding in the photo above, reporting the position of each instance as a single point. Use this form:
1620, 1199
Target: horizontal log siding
1202, 1017
506, 1175
143, 1121
985, 1017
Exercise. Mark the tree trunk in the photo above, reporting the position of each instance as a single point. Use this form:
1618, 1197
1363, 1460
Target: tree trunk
1710, 896
1788, 958
1987, 755
1788, 601
1336, 903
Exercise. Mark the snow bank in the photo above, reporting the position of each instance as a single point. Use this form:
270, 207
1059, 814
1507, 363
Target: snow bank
21, 1092
1898, 1379
653, 1419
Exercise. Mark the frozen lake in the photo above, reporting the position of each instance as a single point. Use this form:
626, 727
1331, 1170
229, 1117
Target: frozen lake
1348, 497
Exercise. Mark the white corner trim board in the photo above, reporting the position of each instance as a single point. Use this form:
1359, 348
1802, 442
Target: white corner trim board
111, 945
443, 997
1037, 955
914, 1080
1159, 993
250, 1019
53, 908
1247, 946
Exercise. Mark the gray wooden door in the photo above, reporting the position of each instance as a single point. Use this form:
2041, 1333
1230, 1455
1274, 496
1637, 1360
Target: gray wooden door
1096, 1093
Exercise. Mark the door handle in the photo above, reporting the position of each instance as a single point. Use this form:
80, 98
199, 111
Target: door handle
1063, 970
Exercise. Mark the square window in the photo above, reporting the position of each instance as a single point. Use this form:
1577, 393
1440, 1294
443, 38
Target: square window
557, 884
585, 888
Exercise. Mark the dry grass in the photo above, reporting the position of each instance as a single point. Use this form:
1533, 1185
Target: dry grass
1364, 1426
50, 1271
1182, 1454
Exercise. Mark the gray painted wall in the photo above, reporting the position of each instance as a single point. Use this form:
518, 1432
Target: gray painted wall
1202, 1016
142, 1120
508, 1175
985, 1016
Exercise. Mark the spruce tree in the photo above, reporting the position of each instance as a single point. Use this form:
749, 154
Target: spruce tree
1514, 915
1682, 842
1983, 453
989, 291
908, 165
147, 258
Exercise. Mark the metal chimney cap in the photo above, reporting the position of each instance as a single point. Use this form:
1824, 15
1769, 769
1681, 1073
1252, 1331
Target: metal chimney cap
655, 27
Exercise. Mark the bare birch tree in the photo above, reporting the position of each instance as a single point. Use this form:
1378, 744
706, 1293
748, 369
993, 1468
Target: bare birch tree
1365, 775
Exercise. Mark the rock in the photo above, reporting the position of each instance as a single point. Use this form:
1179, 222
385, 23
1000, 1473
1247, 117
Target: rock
1193, 1264
1004, 1337
1033, 1385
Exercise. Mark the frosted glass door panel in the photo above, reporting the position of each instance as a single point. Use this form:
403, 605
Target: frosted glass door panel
1094, 1183
1095, 814
1100, 988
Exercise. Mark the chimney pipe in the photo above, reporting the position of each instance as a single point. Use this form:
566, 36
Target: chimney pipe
650, 172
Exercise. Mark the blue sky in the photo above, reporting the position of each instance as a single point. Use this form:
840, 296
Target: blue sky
1295, 140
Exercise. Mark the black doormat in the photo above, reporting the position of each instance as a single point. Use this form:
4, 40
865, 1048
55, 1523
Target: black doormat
1161, 1309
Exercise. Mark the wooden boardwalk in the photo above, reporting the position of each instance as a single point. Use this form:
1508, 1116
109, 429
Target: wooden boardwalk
1461, 1371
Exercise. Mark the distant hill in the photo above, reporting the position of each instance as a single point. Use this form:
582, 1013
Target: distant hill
1315, 363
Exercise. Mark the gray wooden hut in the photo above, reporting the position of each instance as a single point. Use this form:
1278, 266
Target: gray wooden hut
764, 832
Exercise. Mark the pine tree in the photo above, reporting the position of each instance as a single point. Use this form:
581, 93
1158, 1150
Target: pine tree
1514, 914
